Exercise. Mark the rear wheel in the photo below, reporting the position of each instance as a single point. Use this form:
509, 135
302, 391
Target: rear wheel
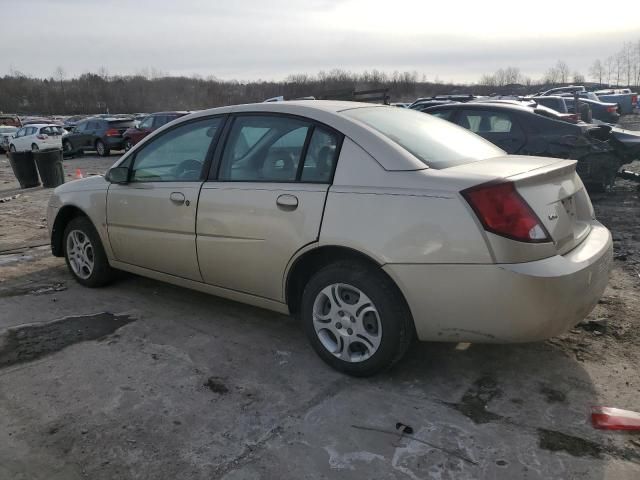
355, 318
84, 254
127, 144
102, 149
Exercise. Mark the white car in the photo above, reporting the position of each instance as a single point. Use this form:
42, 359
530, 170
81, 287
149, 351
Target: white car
372, 224
37, 137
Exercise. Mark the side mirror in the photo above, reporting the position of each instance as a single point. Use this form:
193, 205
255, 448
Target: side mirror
118, 175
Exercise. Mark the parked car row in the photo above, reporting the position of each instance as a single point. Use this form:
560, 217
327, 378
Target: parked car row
529, 129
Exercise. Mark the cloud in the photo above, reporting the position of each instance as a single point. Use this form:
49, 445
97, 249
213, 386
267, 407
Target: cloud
250, 39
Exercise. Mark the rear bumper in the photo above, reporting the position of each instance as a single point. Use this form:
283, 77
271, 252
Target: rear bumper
114, 143
505, 303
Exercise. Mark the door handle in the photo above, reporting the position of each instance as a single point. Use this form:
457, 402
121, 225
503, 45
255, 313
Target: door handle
177, 197
287, 202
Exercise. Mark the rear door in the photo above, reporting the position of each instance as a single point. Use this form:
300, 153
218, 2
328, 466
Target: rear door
500, 127
265, 203
151, 220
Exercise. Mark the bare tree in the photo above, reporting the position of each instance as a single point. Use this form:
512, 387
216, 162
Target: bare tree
563, 71
578, 78
597, 71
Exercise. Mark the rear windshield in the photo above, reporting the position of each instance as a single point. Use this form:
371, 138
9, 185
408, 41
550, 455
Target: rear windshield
435, 142
120, 123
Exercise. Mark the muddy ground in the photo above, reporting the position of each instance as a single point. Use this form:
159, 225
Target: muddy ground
146, 380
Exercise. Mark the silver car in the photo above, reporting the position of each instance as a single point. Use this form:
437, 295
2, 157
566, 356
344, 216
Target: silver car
372, 224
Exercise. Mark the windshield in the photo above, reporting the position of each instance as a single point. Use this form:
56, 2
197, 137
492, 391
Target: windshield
435, 142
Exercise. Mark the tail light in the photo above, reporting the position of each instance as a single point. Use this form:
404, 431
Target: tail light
502, 211
113, 132
574, 117
42, 136
612, 109
634, 99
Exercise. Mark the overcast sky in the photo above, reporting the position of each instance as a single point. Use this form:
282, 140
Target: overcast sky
270, 39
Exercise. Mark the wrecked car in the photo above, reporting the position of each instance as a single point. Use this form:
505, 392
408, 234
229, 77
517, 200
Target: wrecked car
372, 224
528, 130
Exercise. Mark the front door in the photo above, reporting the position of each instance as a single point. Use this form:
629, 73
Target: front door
265, 203
151, 220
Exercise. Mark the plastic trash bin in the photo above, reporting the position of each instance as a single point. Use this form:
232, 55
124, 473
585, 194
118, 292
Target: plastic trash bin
49, 164
24, 168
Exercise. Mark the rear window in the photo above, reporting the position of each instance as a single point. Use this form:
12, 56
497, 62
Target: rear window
435, 142
121, 123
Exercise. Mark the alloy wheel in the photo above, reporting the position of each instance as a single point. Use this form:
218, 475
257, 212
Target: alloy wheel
80, 253
347, 322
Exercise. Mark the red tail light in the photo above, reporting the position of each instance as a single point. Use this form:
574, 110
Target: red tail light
113, 132
502, 211
42, 136
612, 109
634, 99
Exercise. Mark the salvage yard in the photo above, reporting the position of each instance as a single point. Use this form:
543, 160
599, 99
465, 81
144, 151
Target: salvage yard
142, 379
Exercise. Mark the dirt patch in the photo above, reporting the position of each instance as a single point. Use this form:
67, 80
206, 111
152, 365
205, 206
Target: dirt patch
576, 446
474, 401
30, 342
552, 395
216, 386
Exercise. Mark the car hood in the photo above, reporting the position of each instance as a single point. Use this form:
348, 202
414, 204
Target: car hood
93, 183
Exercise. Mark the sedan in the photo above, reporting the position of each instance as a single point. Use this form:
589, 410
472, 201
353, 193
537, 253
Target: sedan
371, 224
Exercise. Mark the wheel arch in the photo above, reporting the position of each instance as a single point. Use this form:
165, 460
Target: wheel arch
314, 259
64, 216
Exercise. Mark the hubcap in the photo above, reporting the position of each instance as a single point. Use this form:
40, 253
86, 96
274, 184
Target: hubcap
80, 254
100, 148
347, 322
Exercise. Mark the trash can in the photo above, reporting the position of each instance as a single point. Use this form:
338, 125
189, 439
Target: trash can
24, 168
49, 164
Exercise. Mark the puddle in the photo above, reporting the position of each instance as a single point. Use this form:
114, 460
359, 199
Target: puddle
216, 386
30, 342
475, 400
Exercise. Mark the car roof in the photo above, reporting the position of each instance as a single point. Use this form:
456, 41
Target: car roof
172, 112
40, 125
505, 105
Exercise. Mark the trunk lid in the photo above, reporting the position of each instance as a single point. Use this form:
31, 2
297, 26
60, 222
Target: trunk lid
553, 190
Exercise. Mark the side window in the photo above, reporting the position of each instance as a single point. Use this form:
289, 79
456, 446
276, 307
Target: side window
146, 123
264, 148
46, 131
176, 156
31, 131
321, 156
479, 121
80, 127
20, 133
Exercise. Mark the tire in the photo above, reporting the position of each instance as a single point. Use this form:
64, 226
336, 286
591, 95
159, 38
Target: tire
34, 147
12, 148
102, 149
127, 144
356, 339
67, 148
79, 231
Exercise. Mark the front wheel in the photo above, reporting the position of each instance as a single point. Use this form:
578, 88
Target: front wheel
356, 318
84, 254
34, 147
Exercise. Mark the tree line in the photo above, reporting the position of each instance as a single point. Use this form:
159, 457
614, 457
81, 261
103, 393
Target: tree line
152, 91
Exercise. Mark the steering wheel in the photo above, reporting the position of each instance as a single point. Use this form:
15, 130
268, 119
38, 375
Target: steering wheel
187, 167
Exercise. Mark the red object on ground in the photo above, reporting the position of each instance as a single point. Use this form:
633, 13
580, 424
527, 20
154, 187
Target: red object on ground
608, 418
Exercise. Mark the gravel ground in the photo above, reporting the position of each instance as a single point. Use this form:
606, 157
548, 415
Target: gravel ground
146, 380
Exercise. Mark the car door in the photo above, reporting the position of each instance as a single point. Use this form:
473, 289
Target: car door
265, 202
18, 139
151, 219
90, 134
75, 138
499, 127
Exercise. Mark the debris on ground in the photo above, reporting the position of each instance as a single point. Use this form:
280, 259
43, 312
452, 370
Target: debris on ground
607, 418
